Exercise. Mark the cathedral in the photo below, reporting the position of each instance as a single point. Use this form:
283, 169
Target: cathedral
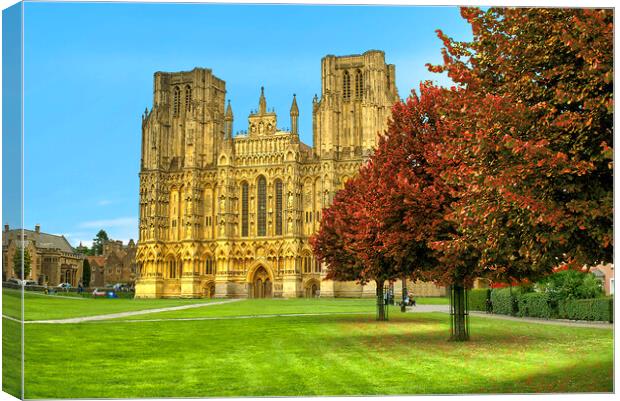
225, 215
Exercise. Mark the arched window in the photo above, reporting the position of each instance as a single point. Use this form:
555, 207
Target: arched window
176, 101
278, 207
346, 86
171, 268
359, 84
209, 266
306, 263
244, 209
188, 98
262, 207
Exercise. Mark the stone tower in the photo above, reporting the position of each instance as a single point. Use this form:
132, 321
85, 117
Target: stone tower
358, 92
186, 124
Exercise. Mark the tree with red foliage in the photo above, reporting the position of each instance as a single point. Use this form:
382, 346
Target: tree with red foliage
380, 225
504, 176
550, 72
347, 239
530, 124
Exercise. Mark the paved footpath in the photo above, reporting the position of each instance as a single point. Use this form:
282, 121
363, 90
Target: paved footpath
126, 314
558, 322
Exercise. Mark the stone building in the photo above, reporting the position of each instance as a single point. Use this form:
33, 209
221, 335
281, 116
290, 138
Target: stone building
116, 265
52, 259
605, 273
230, 216
97, 271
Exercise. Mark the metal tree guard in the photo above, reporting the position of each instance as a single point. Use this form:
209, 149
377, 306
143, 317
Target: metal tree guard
382, 305
459, 309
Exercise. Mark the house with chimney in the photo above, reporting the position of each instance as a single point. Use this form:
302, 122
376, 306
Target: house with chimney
52, 258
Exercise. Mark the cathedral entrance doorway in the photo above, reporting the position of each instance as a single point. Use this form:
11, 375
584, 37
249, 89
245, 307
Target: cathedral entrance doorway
208, 290
312, 290
261, 285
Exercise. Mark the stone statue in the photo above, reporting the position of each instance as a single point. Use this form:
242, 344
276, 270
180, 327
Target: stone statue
290, 200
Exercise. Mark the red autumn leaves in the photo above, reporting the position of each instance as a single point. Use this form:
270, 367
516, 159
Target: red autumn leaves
505, 176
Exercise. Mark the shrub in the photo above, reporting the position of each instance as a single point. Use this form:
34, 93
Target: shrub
478, 299
571, 284
535, 304
600, 309
504, 300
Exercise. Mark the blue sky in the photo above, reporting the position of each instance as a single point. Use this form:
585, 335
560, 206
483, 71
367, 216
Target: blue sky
89, 72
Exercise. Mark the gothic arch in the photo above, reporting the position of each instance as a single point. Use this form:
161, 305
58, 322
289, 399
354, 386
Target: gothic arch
311, 288
255, 267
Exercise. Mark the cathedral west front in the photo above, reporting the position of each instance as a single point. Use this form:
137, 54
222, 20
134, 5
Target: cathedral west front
225, 215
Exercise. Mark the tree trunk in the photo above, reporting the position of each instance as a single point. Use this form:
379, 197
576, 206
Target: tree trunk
403, 308
380, 301
459, 313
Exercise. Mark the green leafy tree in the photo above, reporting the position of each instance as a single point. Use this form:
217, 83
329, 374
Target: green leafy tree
86, 273
98, 242
21, 259
571, 284
84, 250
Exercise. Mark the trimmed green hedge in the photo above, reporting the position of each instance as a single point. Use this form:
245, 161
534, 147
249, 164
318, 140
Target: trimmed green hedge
521, 302
601, 309
478, 299
535, 304
504, 300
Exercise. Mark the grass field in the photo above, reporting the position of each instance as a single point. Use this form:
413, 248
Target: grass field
343, 353
38, 306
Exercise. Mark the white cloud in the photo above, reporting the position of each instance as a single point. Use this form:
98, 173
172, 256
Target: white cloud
105, 202
119, 222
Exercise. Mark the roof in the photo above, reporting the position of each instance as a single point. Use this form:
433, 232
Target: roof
98, 261
39, 239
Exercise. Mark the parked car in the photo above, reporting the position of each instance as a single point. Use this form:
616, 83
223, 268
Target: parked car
14, 280
122, 287
64, 285
30, 282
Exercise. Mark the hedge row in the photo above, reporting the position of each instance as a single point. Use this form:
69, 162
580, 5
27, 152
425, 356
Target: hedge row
478, 299
507, 301
504, 300
587, 309
535, 304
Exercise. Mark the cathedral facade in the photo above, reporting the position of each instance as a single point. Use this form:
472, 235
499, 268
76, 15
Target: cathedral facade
230, 216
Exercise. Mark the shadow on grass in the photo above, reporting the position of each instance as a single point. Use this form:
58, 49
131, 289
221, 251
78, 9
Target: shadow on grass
576, 378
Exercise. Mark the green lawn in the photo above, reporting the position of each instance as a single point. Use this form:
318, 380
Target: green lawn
432, 300
337, 354
38, 306
11, 357
269, 307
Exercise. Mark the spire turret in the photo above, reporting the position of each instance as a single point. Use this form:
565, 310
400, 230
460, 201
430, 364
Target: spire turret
229, 120
262, 103
294, 115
